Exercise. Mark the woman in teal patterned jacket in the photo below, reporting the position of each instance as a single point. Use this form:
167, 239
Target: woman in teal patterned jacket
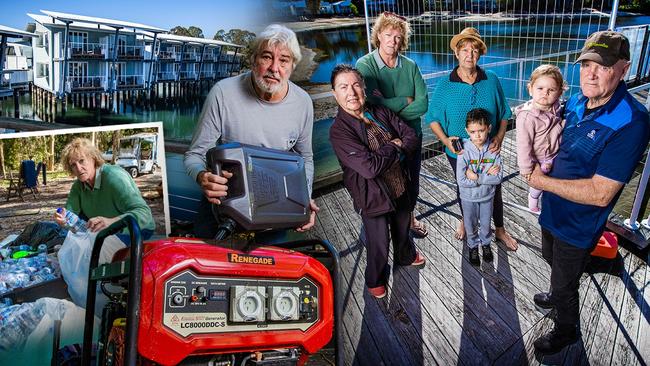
468, 87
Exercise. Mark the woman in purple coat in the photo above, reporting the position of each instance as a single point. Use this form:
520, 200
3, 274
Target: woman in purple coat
371, 143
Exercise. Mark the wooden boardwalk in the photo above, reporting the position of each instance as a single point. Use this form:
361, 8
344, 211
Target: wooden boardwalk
449, 312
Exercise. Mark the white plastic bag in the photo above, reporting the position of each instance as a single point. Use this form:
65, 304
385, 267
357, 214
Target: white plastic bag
32, 328
74, 260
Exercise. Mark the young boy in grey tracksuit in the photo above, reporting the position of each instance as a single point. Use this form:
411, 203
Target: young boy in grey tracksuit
478, 171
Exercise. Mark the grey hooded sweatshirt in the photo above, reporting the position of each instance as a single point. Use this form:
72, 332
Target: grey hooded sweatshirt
479, 161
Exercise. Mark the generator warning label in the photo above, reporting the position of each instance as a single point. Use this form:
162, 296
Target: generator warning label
196, 323
250, 259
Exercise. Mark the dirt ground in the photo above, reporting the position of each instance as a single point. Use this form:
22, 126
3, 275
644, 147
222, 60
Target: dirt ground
16, 214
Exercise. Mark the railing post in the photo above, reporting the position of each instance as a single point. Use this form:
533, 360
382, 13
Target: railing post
3, 46
113, 63
151, 61
365, 11
612, 18
520, 79
66, 41
640, 199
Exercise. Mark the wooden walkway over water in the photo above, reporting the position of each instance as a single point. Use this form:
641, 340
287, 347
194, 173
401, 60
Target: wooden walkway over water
450, 312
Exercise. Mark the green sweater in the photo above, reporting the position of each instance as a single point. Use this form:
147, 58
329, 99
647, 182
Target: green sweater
114, 194
395, 84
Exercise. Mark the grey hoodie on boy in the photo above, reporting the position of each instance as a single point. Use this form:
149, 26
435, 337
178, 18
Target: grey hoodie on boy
477, 197
480, 161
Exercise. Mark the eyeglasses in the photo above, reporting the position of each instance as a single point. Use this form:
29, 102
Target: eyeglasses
391, 14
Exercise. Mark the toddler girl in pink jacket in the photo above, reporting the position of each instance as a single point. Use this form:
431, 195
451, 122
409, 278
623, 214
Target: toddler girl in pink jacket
539, 125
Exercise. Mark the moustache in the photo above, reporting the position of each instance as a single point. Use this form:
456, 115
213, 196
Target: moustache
272, 76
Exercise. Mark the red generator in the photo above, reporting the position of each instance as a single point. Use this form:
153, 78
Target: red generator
205, 304
216, 302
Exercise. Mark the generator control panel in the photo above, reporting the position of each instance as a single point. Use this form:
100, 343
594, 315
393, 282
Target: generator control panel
197, 304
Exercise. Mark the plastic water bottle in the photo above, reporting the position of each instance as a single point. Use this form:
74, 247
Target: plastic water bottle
73, 222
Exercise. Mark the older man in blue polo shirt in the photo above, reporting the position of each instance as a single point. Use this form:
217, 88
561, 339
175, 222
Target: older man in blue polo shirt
605, 136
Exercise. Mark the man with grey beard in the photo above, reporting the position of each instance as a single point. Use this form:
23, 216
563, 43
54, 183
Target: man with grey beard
261, 107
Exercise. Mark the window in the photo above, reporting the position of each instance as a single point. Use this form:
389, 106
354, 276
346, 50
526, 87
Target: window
78, 37
38, 41
42, 70
146, 149
78, 72
78, 41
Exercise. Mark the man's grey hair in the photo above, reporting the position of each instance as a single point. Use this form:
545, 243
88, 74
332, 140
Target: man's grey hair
277, 35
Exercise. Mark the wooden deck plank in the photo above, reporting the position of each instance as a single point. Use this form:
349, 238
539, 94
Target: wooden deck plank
452, 250
520, 228
609, 322
590, 307
448, 252
352, 316
643, 335
625, 350
522, 261
499, 283
401, 302
389, 347
450, 312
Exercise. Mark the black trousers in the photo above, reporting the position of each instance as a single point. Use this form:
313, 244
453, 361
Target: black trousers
497, 208
377, 240
567, 264
415, 165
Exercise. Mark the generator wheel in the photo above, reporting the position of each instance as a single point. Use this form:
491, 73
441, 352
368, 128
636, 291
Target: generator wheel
133, 171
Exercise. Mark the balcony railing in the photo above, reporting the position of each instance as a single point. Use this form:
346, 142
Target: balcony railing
86, 51
167, 75
209, 74
85, 83
129, 81
191, 56
208, 56
186, 75
129, 52
168, 56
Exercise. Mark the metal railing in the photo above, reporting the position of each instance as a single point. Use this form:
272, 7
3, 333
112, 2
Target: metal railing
207, 74
85, 83
519, 36
129, 81
188, 75
129, 52
191, 56
16, 63
77, 50
169, 56
166, 75
639, 36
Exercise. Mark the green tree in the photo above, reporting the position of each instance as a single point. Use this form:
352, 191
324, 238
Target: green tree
180, 31
354, 10
240, 37
195, 32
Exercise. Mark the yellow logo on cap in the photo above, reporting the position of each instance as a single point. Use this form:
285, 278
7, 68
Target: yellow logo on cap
594, 44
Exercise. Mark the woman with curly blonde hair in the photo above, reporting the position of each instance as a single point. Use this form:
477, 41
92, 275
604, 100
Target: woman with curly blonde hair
102, 193
394, 81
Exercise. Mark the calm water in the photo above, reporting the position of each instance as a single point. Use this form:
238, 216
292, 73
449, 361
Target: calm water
430, 44
428, 49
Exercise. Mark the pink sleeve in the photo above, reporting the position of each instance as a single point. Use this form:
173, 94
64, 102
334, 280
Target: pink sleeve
525, 124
